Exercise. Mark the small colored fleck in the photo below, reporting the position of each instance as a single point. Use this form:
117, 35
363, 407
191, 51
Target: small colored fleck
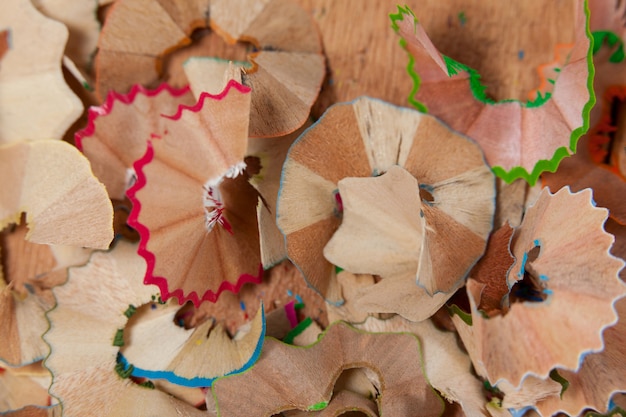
520, 54
147, 384
338, 201
122, 371
289, 293
520, 273
118, 340
299, 299
462, 18
130, 311
296, 331
611, 404
242, 305
319, 406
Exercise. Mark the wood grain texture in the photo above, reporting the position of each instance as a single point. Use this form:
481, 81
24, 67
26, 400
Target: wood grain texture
28, 271
64, 202
21, 387
568, 226
350, 135
364, 55
288, 377
35, 102
83, 358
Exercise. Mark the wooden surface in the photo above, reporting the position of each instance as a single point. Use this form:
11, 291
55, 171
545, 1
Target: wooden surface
364, 55
504, 41
23, 262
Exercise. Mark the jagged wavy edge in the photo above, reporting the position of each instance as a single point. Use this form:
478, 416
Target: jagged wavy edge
543, 165
197, 381
204, 96
320, 340
600, 37
112, 97
144, 232
555, 64
578, 194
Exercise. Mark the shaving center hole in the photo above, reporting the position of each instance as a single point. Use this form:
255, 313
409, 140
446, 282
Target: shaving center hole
532, 286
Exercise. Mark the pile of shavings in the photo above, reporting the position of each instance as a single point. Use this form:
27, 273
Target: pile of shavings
192, 224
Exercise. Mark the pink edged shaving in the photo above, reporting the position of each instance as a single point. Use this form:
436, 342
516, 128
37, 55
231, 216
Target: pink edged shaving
285, 67
117, 131
193, 206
